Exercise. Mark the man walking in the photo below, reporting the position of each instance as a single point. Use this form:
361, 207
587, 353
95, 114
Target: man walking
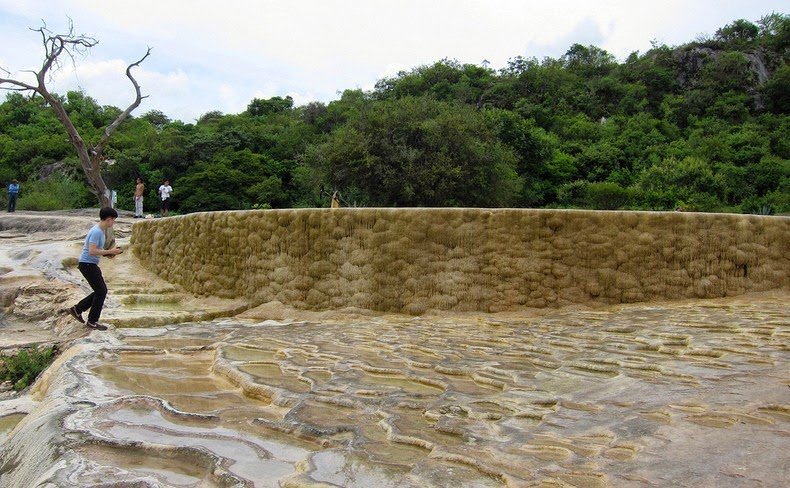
13, 193
89, 267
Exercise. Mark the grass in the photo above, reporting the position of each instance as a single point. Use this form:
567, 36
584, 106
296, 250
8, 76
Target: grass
24, 368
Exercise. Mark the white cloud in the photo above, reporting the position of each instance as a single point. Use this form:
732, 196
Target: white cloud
218, 56
301, 98
106, 82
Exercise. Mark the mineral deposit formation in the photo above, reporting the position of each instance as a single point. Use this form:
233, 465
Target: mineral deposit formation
417, 260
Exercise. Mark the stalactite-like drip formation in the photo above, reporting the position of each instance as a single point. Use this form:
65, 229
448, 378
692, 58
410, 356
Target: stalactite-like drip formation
414, 260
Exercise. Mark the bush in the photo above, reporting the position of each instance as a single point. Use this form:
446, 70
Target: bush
775, 202
607, 195
777, 99
572, 194
25, 367
688, 183
701, 202
656, 199
55, 193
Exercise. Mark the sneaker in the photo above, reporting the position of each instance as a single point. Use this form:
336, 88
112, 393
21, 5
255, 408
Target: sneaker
77, 316
96, 326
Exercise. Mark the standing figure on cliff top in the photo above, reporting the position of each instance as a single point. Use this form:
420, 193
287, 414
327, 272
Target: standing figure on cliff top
335, 200
13, 193
89, 267
164, 191
139, 189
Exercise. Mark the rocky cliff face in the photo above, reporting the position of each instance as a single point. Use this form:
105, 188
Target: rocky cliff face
692, 59
414, 260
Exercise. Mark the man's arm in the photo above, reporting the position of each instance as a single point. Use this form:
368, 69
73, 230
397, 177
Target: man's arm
94, 250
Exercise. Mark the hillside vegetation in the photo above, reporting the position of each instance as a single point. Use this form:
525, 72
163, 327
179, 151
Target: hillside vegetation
703, 126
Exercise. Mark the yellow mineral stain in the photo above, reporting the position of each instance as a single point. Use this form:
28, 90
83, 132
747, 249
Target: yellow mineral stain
296, 257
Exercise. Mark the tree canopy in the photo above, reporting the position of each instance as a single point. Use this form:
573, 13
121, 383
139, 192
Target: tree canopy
703, 126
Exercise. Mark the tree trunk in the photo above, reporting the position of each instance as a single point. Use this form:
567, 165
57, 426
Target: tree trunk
91, 163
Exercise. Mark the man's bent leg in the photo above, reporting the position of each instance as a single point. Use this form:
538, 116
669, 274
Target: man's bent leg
92, 274
84, 304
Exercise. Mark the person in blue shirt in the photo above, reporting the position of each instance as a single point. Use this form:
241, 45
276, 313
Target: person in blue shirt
13, 193
89, 267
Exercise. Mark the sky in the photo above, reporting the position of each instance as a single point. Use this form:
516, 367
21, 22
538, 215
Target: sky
211, 55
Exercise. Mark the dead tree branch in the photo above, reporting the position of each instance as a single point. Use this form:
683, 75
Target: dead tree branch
99, 148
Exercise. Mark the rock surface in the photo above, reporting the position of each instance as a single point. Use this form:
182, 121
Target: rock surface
486, 260
670, 394
187, 391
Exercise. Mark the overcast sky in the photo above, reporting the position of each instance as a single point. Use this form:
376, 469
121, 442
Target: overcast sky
219, 55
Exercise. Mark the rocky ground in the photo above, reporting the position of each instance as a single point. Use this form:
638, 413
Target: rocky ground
39, 278
197, 391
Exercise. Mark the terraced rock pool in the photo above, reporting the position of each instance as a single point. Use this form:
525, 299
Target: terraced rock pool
676, 394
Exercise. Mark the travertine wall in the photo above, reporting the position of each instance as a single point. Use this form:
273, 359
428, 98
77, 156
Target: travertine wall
413, 260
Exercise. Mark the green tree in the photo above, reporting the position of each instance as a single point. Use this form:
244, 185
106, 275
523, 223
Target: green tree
259, 107
689, 183
268, 192
776, 93
738, 32
588, 61
607, 195
775, 37
418, 152
156, 118
212, 185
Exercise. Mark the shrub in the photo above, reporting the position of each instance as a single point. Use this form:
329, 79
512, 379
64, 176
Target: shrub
572, 194
25, 367
607, 195
775, 202
55, 193
701, 202
688, 183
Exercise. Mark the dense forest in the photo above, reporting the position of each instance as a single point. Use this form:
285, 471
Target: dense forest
703, 126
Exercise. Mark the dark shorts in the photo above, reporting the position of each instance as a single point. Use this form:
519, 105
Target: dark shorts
166, 204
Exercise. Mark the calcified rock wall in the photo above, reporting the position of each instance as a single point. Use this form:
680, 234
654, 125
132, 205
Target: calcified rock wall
413, 260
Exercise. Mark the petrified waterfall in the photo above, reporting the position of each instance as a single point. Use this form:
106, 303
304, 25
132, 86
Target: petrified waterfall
415, 260
202, 391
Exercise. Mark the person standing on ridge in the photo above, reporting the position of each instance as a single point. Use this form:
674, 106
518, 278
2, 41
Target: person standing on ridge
335, 203
13, 193
164, 191
89, 267
139, 189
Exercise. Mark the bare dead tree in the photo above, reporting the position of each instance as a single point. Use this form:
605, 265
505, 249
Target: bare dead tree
70, 44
